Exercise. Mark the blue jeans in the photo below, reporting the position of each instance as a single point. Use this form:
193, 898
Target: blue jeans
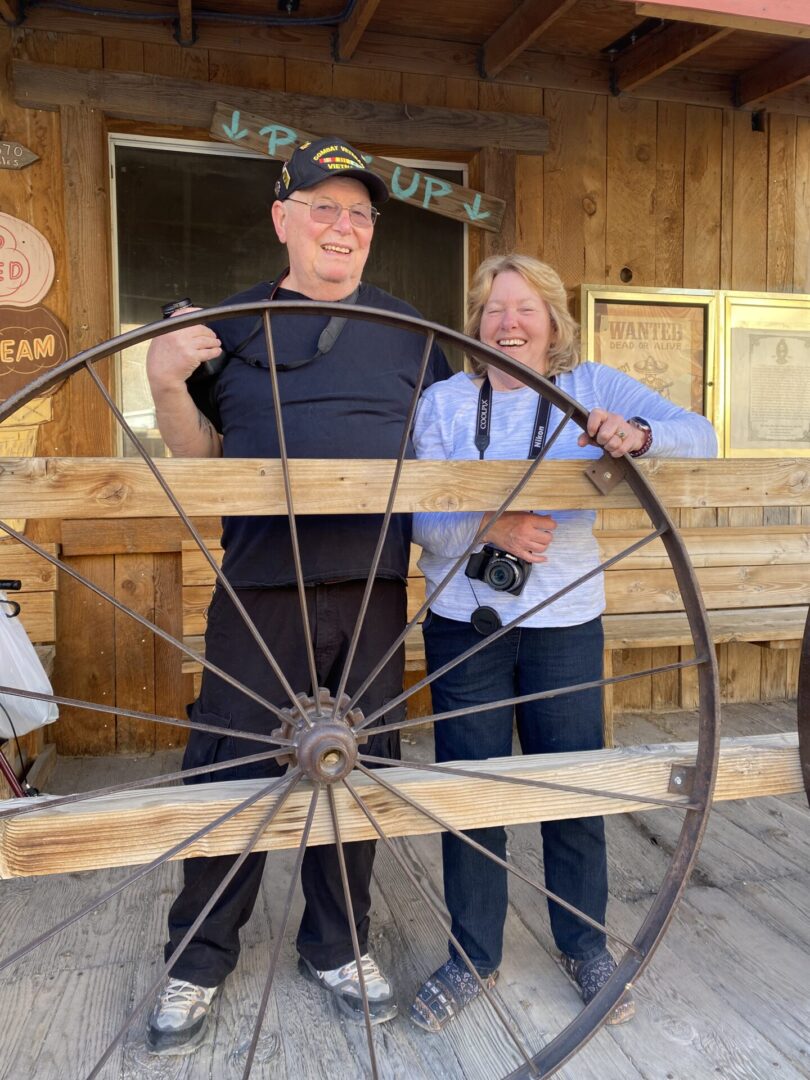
523, 661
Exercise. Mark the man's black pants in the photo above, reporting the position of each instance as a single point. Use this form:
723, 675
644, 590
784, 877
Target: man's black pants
324, 937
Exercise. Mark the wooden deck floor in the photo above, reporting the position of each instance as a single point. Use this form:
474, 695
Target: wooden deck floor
725, 996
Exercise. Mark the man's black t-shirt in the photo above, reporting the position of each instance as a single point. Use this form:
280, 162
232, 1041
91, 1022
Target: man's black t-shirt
350, 403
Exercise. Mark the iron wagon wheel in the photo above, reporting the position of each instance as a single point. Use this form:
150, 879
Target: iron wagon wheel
321, 736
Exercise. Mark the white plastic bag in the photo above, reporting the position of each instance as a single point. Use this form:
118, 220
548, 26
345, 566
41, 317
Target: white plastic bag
20, 667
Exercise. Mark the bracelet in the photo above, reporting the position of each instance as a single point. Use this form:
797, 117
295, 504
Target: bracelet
641, 424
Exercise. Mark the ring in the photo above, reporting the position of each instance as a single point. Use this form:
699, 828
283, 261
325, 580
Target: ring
621, 435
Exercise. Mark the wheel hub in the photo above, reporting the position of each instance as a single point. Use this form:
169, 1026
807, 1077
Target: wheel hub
326, 742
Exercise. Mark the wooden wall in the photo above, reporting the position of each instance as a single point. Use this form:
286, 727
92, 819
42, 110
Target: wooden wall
652, 192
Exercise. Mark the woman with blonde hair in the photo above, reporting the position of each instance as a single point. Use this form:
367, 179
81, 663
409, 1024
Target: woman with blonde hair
517, 305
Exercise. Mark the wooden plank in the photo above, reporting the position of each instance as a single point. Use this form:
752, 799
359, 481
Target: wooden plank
575, 186
656, 53
631, 177
774, 75
191, 103
38, 614
788, 544
523, 27
702, 198
138, 826
120, 488
787, 17
414, 186
498, 170
722, 587
730, 625
781, 201
801, 247
18, 563
170, 696
669, 195
132, 535
351, 30
83, 423
85, 662
750, 213
135, 652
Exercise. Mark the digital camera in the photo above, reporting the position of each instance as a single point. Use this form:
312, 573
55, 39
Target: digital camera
499, 569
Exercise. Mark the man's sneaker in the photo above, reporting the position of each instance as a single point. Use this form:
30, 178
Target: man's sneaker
344, 983
591, 975
177, 1022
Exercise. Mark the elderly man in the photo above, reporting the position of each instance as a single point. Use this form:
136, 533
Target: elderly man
345, 388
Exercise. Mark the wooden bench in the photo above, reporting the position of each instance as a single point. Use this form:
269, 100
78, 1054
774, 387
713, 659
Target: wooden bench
755, 584
37, 600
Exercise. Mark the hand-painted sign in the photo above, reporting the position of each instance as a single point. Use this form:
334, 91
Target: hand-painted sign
14, 155
414, 186
31, 341
26, 263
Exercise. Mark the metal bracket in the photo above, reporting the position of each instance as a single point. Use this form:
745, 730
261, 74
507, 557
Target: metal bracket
682, 780
604, 474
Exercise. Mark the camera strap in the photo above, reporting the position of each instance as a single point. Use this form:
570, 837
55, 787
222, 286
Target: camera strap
484, 421
326, 341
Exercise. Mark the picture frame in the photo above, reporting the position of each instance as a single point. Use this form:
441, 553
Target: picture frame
762, 404
665, 338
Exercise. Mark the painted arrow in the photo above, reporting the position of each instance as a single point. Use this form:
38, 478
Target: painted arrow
233, 131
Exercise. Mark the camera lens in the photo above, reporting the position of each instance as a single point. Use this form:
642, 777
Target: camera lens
501, 575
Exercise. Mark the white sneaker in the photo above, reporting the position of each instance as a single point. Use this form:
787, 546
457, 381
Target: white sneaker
344, 983
177, 1022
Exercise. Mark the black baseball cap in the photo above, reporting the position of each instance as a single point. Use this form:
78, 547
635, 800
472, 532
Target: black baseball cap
312, 162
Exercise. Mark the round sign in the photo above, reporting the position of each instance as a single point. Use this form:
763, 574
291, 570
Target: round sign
31, 341
26, 263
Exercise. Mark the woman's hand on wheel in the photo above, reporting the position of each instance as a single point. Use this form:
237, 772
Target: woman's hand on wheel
523, 534
612, 432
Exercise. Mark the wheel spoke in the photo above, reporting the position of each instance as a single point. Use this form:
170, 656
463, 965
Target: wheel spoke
135, 714
294, 780
445, 825
517, 621
513, 494
157, 630
347, 896
446, 926
33, 805
203, 547
389, 509
296, 549
142, 871
525, 781
540, 695
282, 929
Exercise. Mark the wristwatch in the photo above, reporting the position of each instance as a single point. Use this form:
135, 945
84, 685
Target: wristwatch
642, 425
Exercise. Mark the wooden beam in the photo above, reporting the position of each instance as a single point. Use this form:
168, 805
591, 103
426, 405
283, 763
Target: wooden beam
124, 488
151, 98
351, 31
791, 18
523, 27
10, 11
659, 52
774, 75
185, 24
136, 827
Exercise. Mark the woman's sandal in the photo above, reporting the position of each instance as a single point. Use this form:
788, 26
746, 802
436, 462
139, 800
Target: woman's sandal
448, 990
590, 976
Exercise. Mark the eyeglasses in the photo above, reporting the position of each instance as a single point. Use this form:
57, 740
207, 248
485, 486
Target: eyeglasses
327, 212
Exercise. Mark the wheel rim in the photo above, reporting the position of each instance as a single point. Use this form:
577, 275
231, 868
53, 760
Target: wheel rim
317, 728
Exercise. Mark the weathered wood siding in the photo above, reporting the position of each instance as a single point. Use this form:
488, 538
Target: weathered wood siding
655, 192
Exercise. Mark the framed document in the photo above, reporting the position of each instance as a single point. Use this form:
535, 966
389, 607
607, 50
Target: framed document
665, 338
763, 400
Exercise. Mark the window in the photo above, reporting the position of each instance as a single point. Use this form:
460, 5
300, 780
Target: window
193, 219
